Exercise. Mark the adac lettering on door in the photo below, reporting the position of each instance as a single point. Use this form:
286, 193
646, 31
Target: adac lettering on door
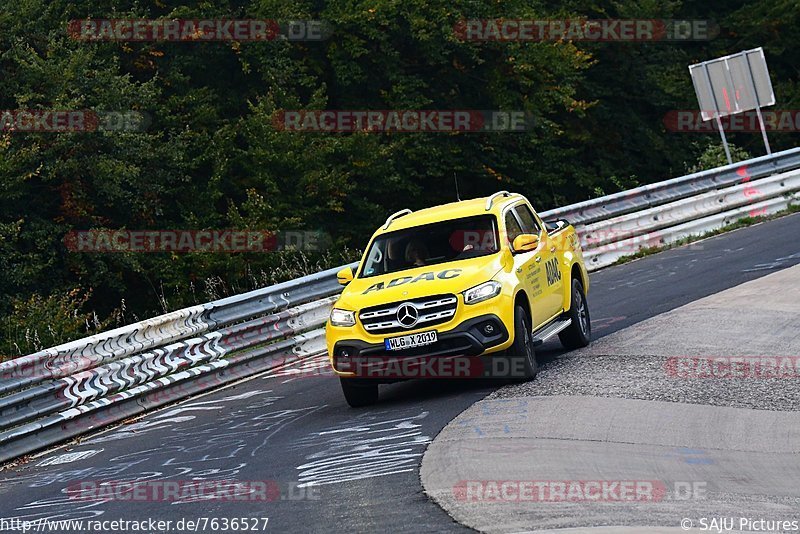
553, 272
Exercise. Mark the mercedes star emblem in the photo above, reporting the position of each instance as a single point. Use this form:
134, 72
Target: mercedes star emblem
407, 315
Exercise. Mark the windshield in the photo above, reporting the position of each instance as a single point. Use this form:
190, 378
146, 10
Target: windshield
431, 244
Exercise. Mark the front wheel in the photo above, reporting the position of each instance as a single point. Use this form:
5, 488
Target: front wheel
579, 333
521, 355
359, 393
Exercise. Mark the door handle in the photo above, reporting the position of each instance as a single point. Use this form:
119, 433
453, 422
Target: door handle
538, 259
553, 248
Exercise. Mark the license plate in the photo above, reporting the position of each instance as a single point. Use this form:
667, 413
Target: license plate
410, 341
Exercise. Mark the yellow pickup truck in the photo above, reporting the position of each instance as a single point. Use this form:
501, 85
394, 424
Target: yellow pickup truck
484, 279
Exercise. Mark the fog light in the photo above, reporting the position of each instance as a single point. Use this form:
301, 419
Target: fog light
488, 329
343, 362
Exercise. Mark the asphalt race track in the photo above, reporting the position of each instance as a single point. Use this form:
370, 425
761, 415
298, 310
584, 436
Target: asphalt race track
340, 469
646, 406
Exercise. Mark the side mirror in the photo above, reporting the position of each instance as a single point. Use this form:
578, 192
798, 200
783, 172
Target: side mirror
525, 243
345, 276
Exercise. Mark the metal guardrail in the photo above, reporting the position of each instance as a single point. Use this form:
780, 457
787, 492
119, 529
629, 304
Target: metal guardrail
664, 213
712, 202
64, 391
648, 196
46, 394
605, 241
609, 254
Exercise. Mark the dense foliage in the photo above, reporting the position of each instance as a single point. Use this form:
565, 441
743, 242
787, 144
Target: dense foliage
213, 158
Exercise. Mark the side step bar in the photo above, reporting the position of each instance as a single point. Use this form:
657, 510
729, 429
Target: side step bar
542, 335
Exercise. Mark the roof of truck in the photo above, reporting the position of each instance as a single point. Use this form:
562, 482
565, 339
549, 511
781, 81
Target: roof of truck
453, 210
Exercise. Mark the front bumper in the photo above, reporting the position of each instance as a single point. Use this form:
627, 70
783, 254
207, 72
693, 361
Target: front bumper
470, 338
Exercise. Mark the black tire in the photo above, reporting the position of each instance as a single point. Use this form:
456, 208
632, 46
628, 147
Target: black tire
521, 354
359, 393
579, 333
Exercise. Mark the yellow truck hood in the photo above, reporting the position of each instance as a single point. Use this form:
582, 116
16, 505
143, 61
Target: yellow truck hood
453, 277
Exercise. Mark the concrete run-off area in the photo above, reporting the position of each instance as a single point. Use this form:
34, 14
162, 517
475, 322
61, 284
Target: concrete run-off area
687, 421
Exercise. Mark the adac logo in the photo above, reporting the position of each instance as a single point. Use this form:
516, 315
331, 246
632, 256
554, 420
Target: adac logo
443, 275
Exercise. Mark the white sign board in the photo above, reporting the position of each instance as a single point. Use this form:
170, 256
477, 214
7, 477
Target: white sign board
732, 84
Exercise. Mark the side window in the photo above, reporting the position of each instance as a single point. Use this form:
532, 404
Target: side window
529, 224
375, 258
512, 226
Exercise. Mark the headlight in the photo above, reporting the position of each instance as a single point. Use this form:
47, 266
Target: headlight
342, 317
482, 292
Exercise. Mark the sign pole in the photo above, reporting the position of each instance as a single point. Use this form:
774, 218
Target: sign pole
758, 104
724, 139
716, 116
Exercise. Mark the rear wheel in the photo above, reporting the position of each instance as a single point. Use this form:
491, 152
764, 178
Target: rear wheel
359, 393
579, 333
521, 355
